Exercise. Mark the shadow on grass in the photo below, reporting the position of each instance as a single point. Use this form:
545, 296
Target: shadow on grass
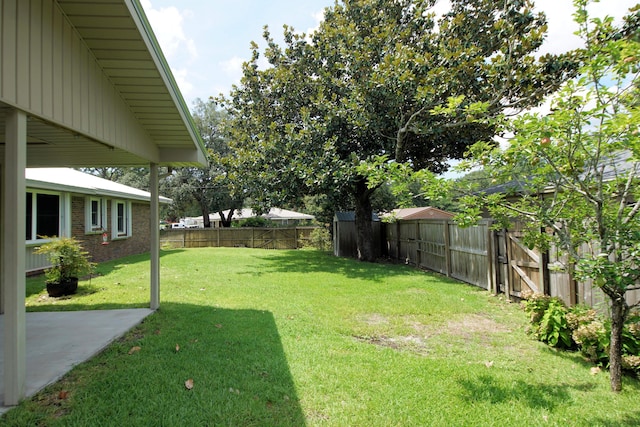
309, 261
485, 388
234, 358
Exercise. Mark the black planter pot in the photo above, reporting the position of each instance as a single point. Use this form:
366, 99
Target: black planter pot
66, 287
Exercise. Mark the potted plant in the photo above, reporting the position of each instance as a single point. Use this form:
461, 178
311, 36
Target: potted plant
69, 261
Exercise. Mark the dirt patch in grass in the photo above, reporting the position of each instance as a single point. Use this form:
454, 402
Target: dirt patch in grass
412, 343
474, 324
467, 327
374, 319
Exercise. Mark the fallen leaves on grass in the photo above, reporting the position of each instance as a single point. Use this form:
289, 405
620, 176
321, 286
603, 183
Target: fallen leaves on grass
135, 349
63, 394
218, 326
188, 384
177, 348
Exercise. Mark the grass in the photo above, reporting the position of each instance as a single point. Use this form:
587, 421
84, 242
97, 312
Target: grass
293, 338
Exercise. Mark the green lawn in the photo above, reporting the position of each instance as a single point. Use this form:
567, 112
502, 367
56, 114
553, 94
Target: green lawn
293, 338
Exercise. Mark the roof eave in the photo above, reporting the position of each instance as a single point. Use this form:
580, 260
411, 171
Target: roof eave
137, 13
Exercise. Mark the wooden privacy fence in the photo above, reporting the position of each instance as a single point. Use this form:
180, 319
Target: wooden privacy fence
248, 237
493, 260
442, 246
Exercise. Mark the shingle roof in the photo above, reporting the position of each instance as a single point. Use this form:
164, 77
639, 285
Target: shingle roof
71, 180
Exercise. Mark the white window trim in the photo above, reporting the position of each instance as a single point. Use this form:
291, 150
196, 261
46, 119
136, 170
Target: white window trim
114, 219
64, 217
89, 227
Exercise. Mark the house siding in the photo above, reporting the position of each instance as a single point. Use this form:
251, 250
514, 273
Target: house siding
48, 71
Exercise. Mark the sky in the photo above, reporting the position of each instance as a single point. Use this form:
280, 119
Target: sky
206, 41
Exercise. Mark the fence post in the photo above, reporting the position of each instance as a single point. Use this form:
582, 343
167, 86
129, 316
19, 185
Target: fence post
398, 254
490, 260
447, 247
507, 279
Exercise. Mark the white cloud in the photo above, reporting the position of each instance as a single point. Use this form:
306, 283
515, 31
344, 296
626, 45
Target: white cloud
180, 51
168, 28
233, 66
318, 17
184, 84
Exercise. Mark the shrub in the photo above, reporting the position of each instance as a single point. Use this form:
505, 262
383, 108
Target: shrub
581, 327
535, 305
320, 238
593, 341
255, 221
548, 320
553, 328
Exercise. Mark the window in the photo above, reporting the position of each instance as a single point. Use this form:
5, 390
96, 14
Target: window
120, 219
44, 215
95, 214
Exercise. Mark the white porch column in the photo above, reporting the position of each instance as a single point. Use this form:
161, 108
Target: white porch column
154, 233
13, 255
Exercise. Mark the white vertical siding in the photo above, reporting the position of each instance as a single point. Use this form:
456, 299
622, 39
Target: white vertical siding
48, 71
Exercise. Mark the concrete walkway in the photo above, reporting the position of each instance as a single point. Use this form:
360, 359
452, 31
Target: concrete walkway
56, 342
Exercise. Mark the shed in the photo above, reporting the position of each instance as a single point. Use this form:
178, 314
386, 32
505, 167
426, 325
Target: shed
344, 235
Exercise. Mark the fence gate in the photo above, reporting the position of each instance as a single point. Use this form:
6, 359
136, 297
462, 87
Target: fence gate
519, 268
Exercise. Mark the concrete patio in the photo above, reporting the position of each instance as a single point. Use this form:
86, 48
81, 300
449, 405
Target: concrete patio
58, 341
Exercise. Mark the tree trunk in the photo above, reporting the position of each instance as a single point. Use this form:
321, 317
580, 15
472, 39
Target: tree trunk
226, 222
205, 217
618, 314
363, 222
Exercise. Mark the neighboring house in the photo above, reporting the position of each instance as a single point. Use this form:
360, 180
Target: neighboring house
281, 217
82, 84
418, 213
110, 219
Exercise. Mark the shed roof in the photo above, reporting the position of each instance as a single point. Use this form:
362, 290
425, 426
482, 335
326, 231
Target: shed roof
73, 181
427, 212
351, 216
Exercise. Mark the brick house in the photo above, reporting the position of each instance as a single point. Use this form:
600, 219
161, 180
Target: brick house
110, 219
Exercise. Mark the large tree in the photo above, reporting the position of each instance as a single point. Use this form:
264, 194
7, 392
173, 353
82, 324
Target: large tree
576, 170
210, 188
370, 82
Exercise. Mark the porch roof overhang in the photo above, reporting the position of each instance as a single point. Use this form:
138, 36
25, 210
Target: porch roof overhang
117, 34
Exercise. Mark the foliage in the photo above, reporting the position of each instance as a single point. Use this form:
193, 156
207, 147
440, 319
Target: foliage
374, 80
67, 257
255, 221
320, 239
575, 171
213, 188
580, 327
548, 320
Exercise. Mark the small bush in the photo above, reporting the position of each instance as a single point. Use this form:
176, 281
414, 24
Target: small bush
580, 327
535, 305
256, 221
320, 238
593, 341
548, 318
